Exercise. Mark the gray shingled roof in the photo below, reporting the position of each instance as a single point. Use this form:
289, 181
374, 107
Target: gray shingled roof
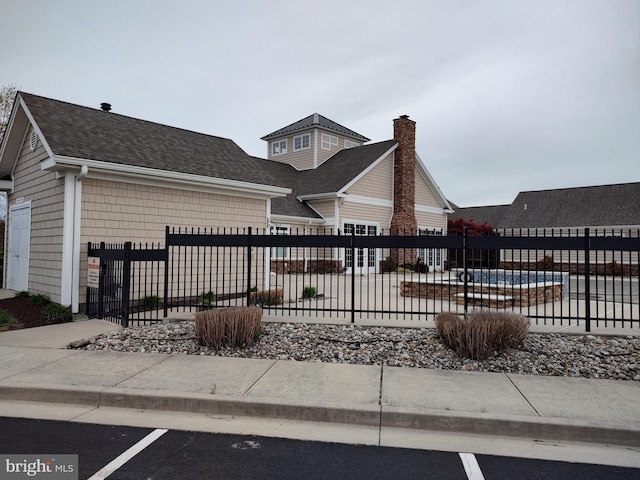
330, 177
340, 169
597, 206
315, 120
492, 214
92, 134
603, 205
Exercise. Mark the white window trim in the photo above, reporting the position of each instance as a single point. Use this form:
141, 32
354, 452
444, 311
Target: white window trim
301, 137
329, 140
279, 142
350, 144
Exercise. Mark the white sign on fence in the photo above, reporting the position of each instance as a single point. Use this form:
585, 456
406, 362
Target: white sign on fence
93, 272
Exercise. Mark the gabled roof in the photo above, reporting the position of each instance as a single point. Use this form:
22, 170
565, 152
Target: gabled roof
343, 167
316, 120
596, 206
91, 134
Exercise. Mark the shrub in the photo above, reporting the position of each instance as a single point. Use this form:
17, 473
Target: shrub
57, 313
207, 301
39, 299
228, 327
151, 302
266, 297
22, 294
482, 333
309, 292
6, 320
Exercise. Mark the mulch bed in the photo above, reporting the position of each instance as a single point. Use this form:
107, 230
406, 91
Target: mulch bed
27, 315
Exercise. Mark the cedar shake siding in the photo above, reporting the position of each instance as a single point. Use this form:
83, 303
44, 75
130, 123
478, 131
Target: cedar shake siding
46, 194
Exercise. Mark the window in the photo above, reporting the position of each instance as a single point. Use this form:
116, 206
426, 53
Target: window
328, 141
301, 142
279, 147
280, 252
350, 144
432, 257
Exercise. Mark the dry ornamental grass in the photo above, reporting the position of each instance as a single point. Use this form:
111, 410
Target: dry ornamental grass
482, 333
228, 327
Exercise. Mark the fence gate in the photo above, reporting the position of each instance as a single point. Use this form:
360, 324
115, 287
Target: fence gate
130, 283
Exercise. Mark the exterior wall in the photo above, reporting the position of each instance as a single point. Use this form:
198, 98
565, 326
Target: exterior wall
424, 194
326, 208
431, 220
301, 159
377, 182
324, 155
46, 194
117, 212
304, 159
365, 213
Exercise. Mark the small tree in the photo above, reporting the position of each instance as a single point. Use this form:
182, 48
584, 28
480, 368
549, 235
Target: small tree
475, 258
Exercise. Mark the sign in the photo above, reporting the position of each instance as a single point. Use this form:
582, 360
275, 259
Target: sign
93, 272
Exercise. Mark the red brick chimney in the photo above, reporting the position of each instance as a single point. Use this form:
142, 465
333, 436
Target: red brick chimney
403, 221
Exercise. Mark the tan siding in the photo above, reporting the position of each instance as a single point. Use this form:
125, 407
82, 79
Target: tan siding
366, 213
377, 183
301, 160
431, 220
46, 194
424, 194
117, 212
326, 208
324, 155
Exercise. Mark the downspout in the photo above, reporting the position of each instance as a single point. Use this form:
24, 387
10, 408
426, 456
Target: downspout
77, 218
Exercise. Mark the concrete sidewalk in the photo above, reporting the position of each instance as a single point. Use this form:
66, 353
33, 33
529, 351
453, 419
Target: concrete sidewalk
35, 367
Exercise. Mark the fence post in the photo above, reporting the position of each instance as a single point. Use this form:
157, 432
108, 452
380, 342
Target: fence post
126, 284
249, 247
353, 275
587, 280
100, 312
465, 246
166, 272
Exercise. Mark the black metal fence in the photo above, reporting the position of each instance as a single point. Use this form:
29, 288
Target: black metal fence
553, 277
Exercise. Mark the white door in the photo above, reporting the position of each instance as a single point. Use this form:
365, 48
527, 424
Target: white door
432, 257
366, 259
18, 247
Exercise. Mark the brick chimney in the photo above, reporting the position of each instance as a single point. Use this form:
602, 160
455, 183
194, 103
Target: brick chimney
403, 221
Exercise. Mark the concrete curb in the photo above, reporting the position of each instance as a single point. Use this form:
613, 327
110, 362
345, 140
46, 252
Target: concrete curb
542, 428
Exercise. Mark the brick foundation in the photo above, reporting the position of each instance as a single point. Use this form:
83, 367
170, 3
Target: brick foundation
313, 266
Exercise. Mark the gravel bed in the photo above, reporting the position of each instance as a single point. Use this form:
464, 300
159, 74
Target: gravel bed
586, 356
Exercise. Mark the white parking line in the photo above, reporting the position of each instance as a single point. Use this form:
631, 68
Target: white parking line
123, 458
471, 466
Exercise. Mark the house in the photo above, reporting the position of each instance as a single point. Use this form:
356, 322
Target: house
75, 174
606, 210
597, 207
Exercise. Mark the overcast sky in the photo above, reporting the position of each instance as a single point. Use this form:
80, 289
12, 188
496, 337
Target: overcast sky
508, 95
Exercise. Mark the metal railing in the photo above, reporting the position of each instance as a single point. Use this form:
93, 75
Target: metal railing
555, 277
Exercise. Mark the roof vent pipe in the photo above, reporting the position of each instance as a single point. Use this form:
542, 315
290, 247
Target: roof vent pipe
105, 106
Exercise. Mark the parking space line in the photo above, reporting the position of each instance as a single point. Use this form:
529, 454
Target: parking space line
471, 466
124, 457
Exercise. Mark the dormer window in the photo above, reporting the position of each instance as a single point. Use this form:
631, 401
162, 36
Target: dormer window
350, 144
301, 142
328, 141
279, 147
